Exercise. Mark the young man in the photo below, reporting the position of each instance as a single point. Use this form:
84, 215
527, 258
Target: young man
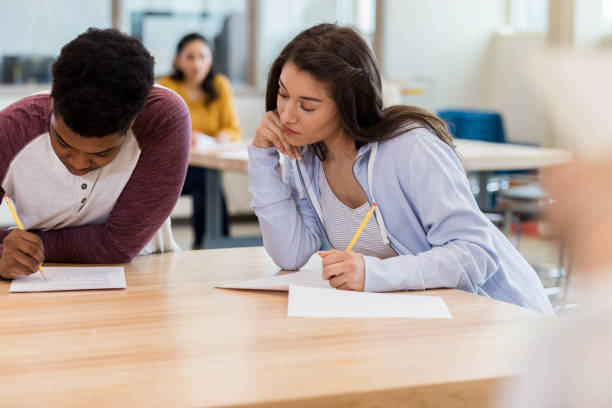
96, 166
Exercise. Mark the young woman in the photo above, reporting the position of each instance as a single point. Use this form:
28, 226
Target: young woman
324, 111
208, 97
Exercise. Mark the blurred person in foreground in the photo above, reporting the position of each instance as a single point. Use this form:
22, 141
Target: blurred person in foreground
572, 366
208, 96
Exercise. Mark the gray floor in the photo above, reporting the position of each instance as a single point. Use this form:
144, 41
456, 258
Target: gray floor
183, 234
543, 255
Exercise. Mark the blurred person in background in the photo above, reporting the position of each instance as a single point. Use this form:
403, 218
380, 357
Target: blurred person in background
572, 365
208, 96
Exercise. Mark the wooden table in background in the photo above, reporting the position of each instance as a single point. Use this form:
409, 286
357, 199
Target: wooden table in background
172, 340
482, 158
479, 158
486, 156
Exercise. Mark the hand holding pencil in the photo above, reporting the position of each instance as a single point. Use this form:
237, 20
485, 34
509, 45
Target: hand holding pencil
346, 269
22, 251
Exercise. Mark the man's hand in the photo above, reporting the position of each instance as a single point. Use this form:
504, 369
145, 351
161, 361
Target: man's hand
21, 254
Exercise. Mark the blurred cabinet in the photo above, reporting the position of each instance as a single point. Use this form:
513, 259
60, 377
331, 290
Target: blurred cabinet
25, 69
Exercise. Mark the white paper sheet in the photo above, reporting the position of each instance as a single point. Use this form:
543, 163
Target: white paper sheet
209, 143
239, 154
305, 277
205, 142
315, 302
71, 278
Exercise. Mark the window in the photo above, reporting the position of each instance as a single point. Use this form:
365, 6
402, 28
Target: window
606, 11
28, 49
281, 20
528, 16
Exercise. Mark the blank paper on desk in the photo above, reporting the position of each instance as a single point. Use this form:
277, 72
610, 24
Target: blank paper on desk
61, 278
315, 302
305, 277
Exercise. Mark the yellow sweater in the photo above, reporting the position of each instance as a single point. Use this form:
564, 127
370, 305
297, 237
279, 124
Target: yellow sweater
217, 117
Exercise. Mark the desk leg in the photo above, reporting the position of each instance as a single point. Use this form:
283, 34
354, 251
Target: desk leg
212, 197
483, 195
213, 232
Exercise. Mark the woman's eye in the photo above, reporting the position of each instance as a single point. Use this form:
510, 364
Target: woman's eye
283, 95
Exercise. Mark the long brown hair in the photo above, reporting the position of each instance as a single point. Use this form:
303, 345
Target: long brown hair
340, 58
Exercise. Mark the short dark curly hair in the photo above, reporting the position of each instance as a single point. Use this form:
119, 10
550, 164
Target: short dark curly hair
101, 80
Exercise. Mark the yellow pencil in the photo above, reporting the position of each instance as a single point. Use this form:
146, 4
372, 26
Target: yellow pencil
20, 225
361, 227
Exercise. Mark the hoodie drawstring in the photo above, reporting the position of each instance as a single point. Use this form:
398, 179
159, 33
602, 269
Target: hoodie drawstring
309, 188
315, 203
379, 217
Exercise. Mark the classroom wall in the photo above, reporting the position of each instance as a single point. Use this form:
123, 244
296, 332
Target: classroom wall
469, 62
512, 93
444, 41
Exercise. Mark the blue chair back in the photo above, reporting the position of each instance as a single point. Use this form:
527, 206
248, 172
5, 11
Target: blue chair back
474, 124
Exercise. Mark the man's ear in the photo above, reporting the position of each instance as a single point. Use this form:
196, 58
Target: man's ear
51, 104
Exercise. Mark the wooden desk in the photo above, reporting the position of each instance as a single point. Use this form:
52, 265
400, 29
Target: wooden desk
172, 340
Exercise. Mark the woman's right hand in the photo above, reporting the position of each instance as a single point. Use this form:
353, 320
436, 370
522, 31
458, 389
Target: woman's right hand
270, 133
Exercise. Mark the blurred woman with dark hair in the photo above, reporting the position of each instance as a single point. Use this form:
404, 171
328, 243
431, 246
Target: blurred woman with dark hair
208, 96
325, 112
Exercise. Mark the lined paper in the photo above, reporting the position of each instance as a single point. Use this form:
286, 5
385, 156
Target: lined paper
61, 278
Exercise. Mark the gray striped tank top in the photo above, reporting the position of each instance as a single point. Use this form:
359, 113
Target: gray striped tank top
341, 222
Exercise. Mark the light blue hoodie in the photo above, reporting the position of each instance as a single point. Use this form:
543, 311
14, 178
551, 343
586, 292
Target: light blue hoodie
426, 211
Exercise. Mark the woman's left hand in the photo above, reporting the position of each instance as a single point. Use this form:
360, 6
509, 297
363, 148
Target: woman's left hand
344, 269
